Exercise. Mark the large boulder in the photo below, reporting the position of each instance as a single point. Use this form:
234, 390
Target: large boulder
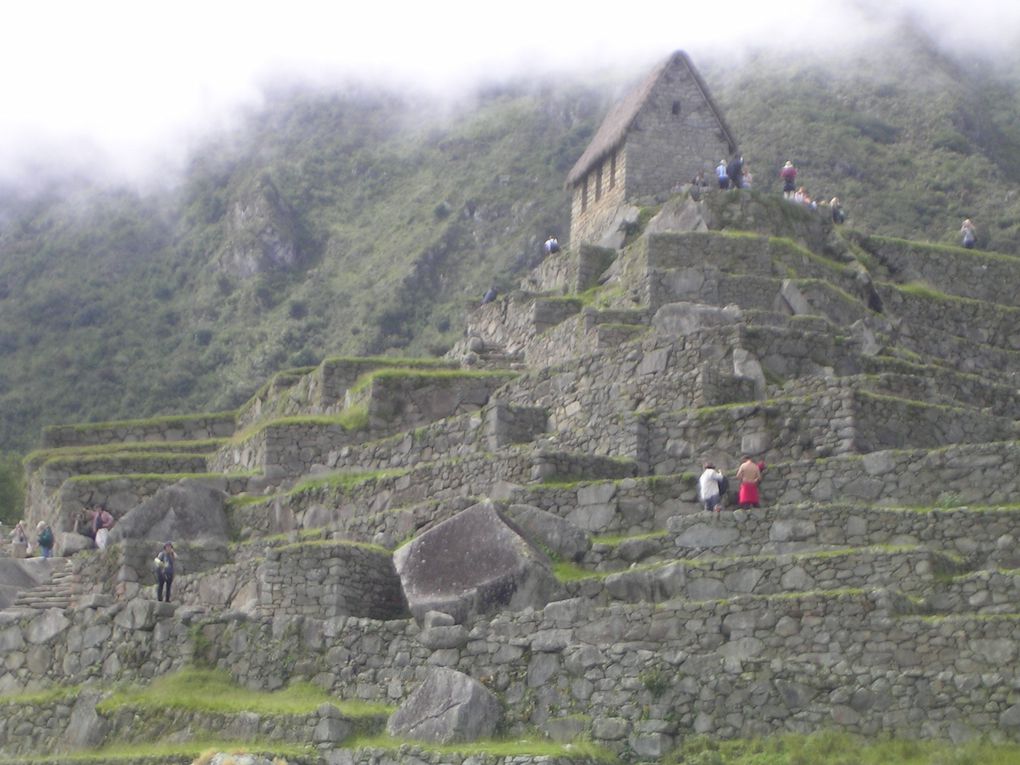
474, 563
449, 707
555, 534
188, 510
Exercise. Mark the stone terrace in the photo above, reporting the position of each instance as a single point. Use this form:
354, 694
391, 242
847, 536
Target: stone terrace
875, 592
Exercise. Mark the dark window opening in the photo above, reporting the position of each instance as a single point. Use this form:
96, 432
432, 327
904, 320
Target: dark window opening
584, 194
676, 108
598, 183
612, 170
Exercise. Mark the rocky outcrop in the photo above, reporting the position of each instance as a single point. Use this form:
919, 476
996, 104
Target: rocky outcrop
448, 707
261, 233
187, 510
474, 563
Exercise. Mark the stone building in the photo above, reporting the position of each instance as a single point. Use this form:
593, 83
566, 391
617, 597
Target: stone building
661, 133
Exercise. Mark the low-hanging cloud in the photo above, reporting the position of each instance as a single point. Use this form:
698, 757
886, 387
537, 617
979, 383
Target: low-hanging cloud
122, 90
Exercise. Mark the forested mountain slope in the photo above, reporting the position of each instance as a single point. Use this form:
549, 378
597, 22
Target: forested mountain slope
361, 222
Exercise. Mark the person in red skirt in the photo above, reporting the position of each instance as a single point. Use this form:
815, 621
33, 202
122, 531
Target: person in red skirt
749, 475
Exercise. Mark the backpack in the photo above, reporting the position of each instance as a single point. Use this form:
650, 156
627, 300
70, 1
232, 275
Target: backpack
46, 537
724, 486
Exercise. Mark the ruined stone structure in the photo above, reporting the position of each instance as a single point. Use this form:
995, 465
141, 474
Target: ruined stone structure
660, 134
875, 592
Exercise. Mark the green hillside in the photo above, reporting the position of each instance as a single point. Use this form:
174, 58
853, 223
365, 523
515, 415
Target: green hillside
367, 223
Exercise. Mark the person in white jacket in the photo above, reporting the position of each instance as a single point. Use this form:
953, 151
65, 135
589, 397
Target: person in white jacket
709, 488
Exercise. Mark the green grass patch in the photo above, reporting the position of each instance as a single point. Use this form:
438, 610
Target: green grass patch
133, 754
516, 747
46, 696
132, 447
344, 481
165, 420
164, 477
835, 748
204, 690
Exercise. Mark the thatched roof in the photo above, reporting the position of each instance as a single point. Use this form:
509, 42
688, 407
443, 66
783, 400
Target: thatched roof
617, 123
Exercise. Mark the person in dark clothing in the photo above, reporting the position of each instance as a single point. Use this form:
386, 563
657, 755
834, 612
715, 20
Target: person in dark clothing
165, 562
735, 171
489, 296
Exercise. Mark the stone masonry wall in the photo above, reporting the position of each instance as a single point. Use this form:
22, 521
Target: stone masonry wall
675, 134
986, 276
330, 579
185, 428
596, 198
569, 271
700, 666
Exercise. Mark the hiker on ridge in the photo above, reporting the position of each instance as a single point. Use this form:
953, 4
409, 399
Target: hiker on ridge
552, 245
789, 176
968, 234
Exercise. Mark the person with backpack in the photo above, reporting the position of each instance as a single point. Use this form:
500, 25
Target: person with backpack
44, 536
712, 488
164, 563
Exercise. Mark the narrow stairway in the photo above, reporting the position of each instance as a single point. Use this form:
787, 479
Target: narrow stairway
61, 591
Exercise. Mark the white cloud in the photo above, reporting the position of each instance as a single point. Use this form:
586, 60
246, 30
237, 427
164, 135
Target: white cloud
124, 84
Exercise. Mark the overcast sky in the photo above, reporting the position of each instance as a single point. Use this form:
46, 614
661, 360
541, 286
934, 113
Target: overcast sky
129, 83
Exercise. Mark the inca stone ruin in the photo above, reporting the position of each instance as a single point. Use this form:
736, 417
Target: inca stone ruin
518, 526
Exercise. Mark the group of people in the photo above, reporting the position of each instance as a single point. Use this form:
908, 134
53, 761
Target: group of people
100, 523
713, 485
731, 175
95, 523
799, 194
21, 545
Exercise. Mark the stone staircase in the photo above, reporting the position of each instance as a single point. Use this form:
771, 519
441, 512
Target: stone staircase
61, 591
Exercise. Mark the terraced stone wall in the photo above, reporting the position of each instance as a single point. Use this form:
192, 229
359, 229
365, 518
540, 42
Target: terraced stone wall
330, 579
57, 726
986, 276
570, 271
979, 537
194, 428
639, 676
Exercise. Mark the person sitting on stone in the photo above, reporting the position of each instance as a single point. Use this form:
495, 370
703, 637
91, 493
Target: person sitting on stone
490, 295
551, 245
101, 524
